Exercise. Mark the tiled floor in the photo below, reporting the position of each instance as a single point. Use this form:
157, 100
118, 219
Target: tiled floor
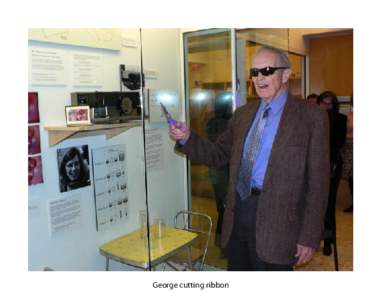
215, 259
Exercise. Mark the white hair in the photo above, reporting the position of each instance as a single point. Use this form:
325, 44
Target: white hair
282, 55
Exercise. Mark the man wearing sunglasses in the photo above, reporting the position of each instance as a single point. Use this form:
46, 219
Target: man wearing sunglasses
277, 150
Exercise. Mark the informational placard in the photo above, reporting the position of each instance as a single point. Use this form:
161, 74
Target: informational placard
86, 69
154, 150
47, 66
106, 38
64, 214
129, 41
110, 185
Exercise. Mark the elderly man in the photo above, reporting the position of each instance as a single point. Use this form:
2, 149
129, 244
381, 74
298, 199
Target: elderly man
277, 150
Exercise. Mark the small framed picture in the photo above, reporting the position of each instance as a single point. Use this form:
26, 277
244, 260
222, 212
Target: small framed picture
77, 115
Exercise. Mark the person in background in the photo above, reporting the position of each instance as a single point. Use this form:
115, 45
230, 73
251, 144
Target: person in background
277, 150
312, 98
328, 101
347, 154
219, 176
74, 173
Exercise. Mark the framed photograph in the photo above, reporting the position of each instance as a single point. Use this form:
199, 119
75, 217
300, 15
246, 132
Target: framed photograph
35, 170
33, 115
77, 115
34, 146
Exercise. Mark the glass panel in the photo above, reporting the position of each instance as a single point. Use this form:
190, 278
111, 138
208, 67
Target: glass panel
165, 170
208, 69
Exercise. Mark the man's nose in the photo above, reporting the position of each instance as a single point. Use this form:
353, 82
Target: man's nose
261, 76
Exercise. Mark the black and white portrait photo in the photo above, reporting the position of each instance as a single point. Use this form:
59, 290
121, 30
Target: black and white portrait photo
73, 167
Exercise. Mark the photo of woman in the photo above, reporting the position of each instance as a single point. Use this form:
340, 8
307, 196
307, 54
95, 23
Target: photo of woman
73, 167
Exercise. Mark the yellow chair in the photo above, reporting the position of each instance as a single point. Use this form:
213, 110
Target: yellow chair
193, 257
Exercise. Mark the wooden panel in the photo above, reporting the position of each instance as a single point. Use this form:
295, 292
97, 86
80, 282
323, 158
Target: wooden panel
297, 37
331, 64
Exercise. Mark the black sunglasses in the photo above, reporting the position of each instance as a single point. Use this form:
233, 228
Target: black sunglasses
254, 72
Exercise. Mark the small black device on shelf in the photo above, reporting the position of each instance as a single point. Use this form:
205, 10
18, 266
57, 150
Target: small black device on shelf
110, 107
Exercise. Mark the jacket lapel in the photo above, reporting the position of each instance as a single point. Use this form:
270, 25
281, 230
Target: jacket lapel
287, 124
245, 125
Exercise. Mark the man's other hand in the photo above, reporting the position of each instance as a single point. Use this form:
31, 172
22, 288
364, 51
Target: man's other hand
304, 254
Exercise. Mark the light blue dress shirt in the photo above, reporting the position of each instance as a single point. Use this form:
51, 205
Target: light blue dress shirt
272, 124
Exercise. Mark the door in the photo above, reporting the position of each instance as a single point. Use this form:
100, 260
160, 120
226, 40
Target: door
210, 102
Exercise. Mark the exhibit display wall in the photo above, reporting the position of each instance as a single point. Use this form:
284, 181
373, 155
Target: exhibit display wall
62, 225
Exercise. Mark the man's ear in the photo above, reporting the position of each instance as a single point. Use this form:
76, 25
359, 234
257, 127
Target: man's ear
286, 75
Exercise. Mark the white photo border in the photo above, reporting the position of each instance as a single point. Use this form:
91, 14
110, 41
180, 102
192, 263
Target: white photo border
71, 108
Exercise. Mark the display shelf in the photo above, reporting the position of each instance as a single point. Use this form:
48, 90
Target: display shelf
57, 134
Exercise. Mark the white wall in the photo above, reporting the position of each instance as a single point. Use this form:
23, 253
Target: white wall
78, 249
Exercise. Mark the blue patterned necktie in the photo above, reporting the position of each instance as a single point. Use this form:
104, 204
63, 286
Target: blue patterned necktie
251, 149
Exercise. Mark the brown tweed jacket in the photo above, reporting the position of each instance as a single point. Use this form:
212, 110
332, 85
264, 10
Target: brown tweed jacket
292, 204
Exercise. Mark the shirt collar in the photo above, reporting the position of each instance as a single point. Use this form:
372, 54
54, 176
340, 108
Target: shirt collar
276, 104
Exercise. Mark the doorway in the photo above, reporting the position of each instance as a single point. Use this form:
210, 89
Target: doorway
208, 72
